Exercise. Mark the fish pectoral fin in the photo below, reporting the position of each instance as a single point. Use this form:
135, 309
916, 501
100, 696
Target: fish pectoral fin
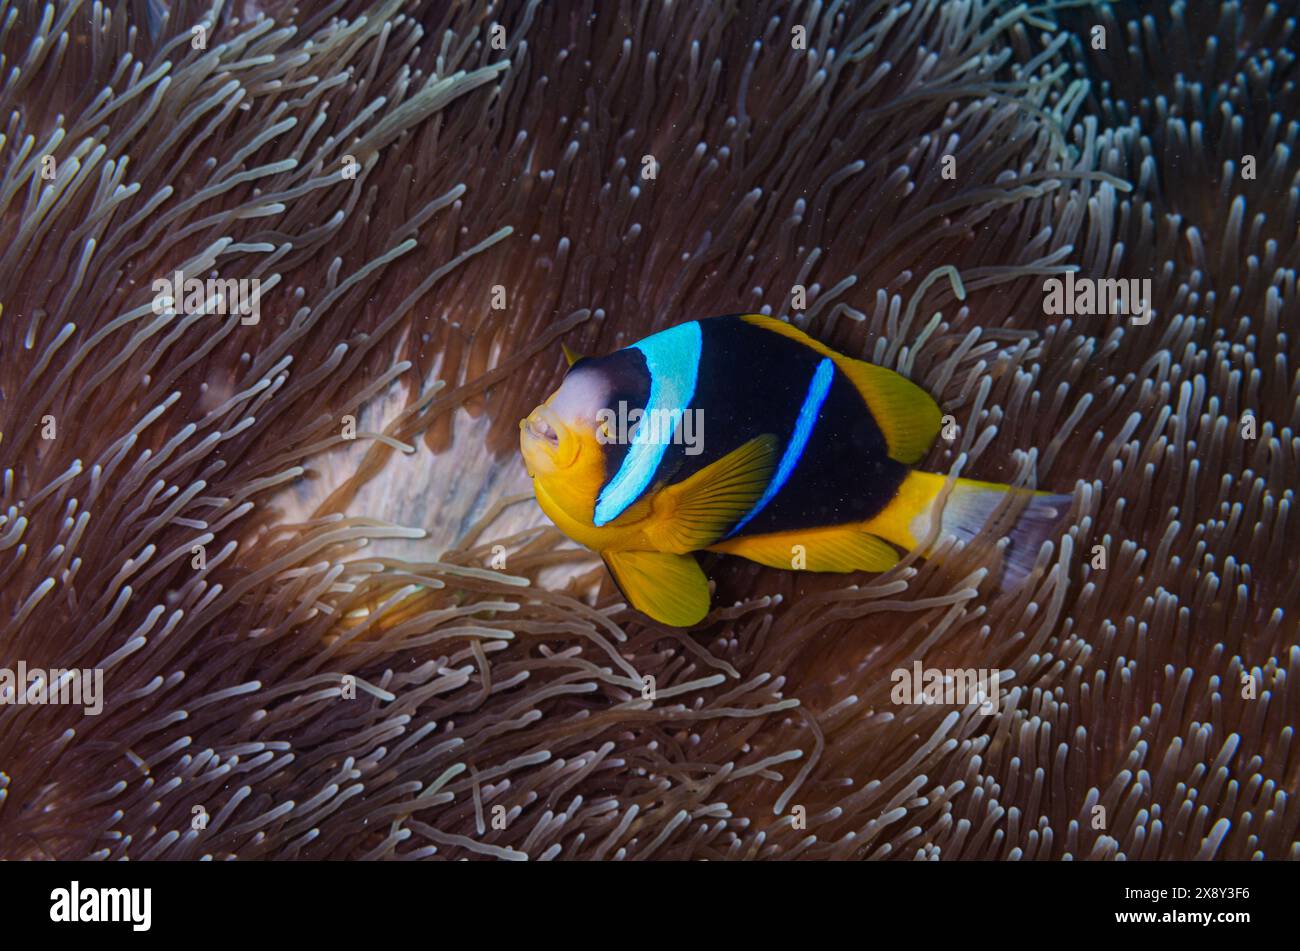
837, 549
697, 511
907, 415
670, 588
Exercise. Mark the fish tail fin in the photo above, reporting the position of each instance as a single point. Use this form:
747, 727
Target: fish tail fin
971, 510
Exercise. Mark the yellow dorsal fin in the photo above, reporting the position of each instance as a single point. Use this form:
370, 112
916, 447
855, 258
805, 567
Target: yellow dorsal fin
696, 512
571, 355
669, 588
839, 548
906, 414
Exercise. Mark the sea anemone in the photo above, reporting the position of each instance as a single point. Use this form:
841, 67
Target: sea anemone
331, 622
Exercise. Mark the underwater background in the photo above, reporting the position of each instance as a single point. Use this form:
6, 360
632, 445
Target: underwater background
331, 620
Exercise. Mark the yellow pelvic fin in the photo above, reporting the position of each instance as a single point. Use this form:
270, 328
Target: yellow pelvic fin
669, 588
571, 355
838, 548
907, 415
696, 512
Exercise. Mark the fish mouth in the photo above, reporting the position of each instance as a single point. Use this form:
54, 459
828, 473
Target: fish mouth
540, 429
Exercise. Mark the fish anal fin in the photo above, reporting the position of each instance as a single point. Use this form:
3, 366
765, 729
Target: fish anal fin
839, 548
699, 510
907, 415
670, 588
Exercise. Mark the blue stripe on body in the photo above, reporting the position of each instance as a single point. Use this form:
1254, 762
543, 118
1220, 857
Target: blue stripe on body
673, 358
803, 427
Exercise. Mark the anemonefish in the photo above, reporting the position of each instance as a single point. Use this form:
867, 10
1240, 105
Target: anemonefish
799, 457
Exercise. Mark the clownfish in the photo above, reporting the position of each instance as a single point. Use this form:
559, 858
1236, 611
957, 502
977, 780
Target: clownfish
746, 436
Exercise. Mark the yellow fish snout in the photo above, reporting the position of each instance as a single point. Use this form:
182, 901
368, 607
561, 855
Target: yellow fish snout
545, 441
537, 426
